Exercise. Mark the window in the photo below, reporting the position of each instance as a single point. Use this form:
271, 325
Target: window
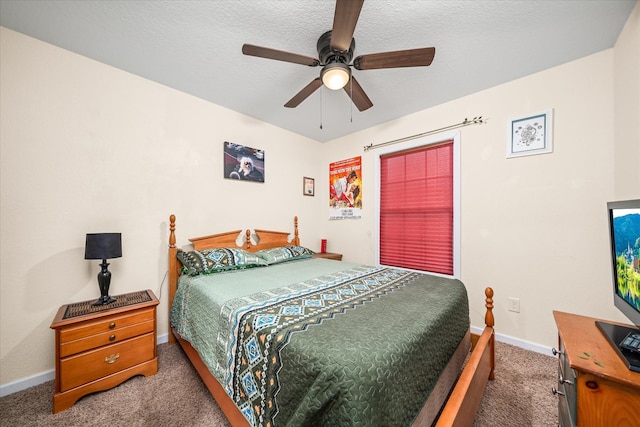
418, 222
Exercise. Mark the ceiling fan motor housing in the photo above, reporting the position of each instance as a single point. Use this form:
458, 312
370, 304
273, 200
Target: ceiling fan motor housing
328, 55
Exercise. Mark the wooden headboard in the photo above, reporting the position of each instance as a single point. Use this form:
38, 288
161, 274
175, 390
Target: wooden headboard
265, 239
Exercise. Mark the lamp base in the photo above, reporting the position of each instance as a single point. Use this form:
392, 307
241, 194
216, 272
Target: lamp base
104, 300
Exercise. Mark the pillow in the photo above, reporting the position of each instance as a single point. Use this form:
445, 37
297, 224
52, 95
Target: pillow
209, 261
284, 253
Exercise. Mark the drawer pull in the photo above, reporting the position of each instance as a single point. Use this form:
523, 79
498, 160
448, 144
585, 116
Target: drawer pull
111, 359
556, 392
561, 380
112, 325
112, 337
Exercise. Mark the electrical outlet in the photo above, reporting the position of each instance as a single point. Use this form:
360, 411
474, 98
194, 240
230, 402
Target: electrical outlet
514, 305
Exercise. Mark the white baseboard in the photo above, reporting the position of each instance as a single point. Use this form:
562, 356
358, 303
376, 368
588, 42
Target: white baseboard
25, 383
161, 339
527, 345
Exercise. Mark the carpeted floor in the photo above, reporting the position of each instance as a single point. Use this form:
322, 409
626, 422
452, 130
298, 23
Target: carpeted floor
520, 396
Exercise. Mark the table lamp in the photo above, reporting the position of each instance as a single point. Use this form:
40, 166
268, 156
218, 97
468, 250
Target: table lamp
103, 246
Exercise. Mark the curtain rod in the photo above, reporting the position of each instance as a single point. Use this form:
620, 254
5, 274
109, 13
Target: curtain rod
466, 122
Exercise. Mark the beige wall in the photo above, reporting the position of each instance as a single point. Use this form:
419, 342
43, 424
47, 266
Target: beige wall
86, 147
89, 148
627, 109
533, 228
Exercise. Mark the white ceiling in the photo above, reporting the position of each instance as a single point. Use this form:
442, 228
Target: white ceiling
195, 47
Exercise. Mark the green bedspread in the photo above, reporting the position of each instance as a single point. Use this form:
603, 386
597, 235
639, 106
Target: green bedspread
332, 343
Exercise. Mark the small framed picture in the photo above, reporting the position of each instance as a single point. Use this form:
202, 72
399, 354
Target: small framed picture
308, 186
529, 135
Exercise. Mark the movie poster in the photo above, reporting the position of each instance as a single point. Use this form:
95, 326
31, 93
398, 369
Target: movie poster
345, 189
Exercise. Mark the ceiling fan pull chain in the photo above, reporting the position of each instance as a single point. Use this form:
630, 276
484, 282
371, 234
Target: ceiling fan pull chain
351, 103
321, 107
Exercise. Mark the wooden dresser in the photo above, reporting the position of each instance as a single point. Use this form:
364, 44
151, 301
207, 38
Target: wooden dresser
594, 388
98, 348
328, 255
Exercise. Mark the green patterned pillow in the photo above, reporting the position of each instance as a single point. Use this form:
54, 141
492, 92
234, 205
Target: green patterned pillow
284, 253
209, 261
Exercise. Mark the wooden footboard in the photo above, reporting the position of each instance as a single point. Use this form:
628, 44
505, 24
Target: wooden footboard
462, 404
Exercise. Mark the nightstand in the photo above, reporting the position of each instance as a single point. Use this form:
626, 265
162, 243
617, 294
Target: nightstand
99, 347
328, 255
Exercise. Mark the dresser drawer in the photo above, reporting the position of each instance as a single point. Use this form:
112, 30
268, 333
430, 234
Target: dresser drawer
564, 415
105, 324
85, 367
566, 400
567, 405
98, 340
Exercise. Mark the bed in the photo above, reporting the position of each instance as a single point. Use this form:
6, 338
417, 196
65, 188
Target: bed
280, 337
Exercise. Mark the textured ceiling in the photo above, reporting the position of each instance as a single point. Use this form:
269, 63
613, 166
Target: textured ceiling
195, 47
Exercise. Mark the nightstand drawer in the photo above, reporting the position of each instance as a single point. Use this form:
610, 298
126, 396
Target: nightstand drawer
83, 368
117, 335
105, 325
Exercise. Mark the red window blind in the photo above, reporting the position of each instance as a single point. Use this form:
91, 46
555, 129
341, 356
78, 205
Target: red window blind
416, 208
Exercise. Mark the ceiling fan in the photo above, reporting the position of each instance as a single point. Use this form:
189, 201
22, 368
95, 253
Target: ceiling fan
335, 52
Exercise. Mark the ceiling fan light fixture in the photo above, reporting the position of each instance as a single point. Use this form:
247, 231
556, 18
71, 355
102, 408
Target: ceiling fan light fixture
335, 75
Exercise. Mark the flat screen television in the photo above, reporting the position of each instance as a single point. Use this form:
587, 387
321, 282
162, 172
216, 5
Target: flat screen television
624, 232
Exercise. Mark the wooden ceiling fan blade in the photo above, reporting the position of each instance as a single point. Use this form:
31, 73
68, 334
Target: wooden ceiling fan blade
345, 19
357, 95
304, 93
279, 55
400, 58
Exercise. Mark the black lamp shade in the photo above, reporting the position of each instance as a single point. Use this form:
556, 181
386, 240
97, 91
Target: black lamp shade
103, 246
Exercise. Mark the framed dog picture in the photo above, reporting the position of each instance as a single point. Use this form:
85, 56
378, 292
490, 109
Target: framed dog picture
243, 163
308, 186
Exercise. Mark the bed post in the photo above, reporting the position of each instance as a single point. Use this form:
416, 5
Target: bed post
489, 321
247, 240
296, 239
173, 271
